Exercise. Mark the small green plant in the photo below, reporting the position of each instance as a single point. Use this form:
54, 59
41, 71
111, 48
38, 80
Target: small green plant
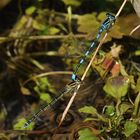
42, 87
117, 120
87, 134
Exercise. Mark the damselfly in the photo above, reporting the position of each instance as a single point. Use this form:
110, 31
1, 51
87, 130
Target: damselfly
69, 88
106, 25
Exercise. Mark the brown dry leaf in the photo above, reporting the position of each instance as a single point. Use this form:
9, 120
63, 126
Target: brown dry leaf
115, 50
115, 70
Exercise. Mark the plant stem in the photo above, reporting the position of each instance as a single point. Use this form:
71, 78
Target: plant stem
69, 18
136, 28
46, 74
42, 37
136, 105
117, 107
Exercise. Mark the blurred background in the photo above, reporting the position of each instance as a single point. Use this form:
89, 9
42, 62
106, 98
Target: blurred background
41, 42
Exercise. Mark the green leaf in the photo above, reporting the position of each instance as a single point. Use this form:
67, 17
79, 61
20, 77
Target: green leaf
86, 134
36, 88
102, 16
110, 110
88, 23
72, 2
129, 128
88, 110
53, 30
38, 26
45, 31
25, 91
45, 97
21, 23
137, 53
124, 107
30, 10
19, 125
93, 111
117, 87
43, 83
89, 119
137, 88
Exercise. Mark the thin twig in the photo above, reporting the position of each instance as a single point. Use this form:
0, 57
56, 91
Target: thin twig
136, 28
46, 74
42, 37
35, 132
120, 9
95, 53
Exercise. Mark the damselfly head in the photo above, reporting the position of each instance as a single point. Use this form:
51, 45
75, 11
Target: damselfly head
111, 17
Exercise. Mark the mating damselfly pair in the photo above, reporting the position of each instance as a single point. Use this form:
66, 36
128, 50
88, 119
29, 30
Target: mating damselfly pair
71, 87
